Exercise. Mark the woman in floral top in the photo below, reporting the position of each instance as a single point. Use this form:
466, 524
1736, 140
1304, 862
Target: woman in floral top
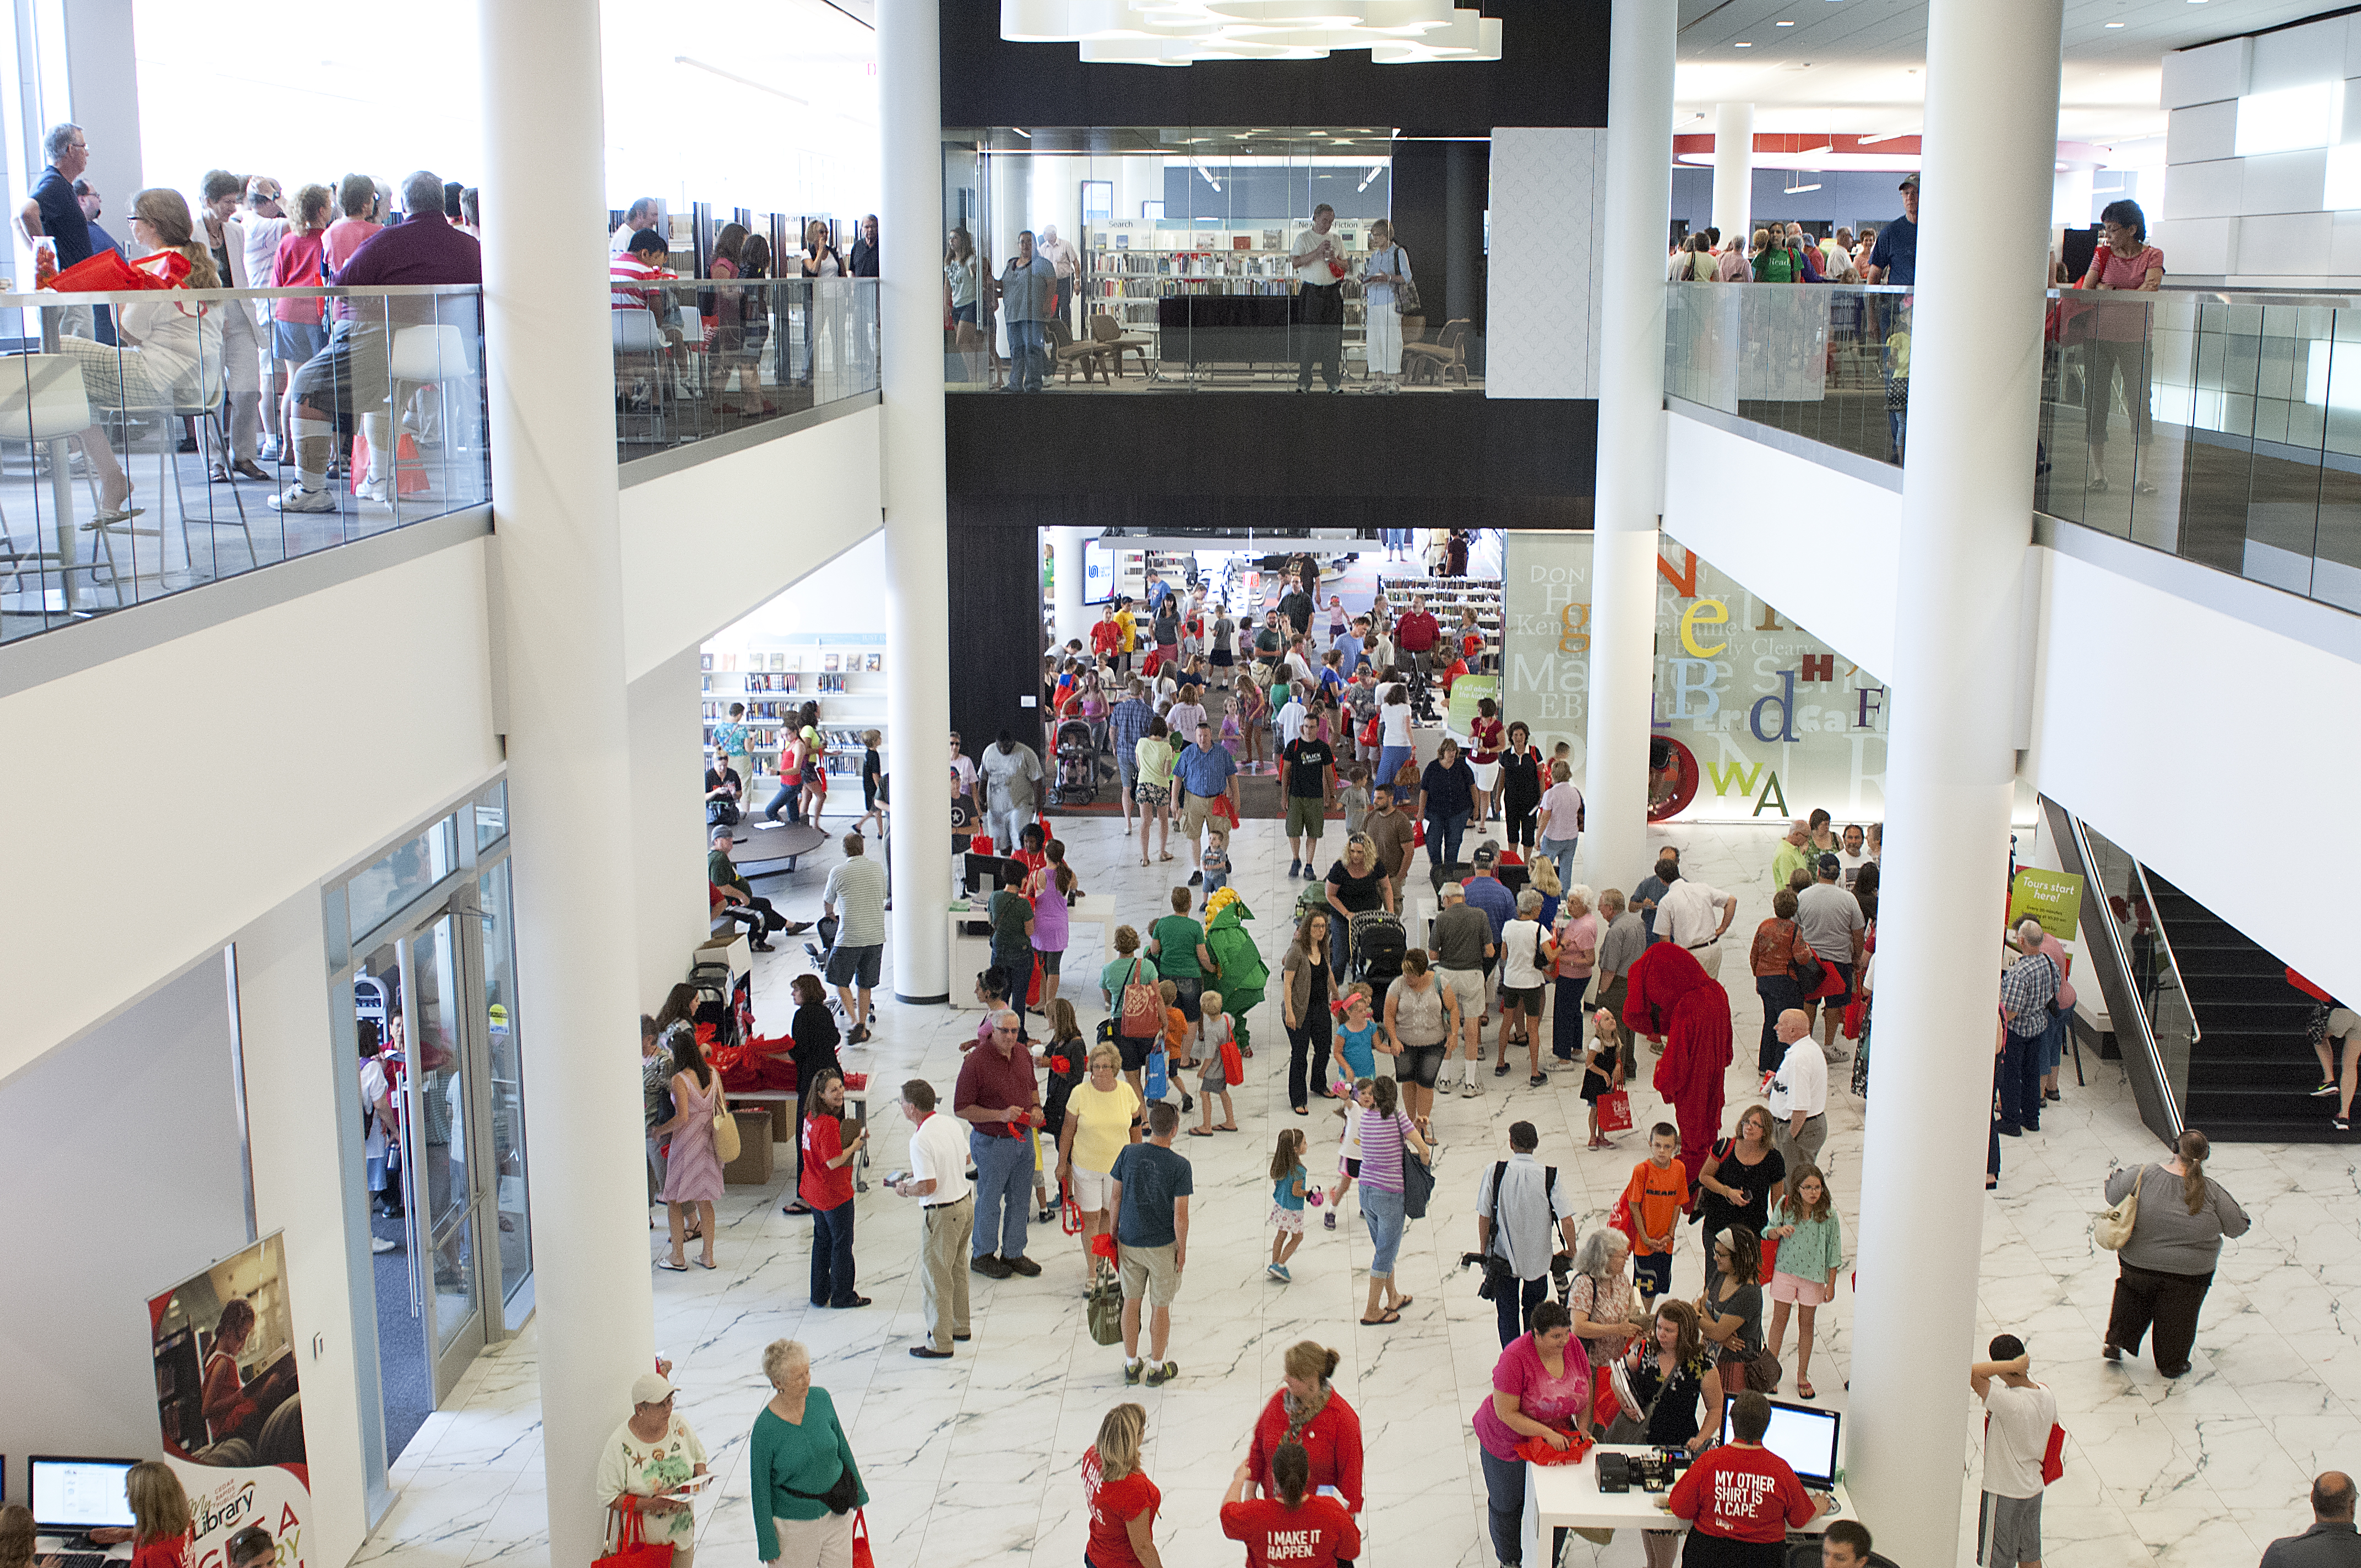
1601, 1297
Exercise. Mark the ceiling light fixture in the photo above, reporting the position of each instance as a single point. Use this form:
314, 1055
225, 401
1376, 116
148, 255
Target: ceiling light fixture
1020, 130
1181, 32
1782, 24
1742, 46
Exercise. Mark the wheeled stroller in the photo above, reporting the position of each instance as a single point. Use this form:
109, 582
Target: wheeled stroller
1078, 763
1379, 944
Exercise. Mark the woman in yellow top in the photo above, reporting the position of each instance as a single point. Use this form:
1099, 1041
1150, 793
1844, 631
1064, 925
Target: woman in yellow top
1103, 1115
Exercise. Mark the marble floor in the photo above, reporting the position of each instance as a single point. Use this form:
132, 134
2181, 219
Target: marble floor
974, 1460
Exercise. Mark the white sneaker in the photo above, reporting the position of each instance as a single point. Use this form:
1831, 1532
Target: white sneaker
298, 498
381, 1244
377, 490
1468, 1090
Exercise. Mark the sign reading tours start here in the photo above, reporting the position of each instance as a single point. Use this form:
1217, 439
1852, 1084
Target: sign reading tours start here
1754, 717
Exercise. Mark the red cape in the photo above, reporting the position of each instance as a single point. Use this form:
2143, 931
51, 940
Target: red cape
1671, 995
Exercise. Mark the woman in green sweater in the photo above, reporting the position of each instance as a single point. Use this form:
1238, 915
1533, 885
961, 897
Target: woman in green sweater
799, 1453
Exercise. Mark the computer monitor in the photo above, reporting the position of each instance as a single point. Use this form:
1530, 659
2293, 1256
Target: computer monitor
1802, 1435
989, 873
71, 1495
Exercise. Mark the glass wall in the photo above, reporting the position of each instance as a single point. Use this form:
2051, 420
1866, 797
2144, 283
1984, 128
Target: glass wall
700, 359
1179, 258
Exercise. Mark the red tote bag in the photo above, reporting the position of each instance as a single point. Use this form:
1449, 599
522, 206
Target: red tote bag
1615, 1111
631, 1548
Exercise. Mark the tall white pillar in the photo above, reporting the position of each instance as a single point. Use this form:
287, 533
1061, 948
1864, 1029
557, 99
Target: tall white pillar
1733, 170
1630, 439
917, 628
1967, 505
1071, 620
549, 376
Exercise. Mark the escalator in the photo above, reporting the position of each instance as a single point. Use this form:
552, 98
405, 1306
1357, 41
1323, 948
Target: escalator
2210, 1033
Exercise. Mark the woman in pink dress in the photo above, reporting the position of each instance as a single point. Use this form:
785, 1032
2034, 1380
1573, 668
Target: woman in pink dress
693, 1166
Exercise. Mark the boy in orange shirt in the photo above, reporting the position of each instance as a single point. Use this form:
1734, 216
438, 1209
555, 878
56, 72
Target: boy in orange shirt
1178, 1030
1659, 1186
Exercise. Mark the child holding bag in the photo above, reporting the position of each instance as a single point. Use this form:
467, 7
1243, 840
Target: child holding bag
1221, 1062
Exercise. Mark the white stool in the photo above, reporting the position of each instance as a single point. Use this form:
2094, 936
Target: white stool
42, 399
434, 356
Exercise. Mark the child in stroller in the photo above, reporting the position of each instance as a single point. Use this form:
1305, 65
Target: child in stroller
1078, 763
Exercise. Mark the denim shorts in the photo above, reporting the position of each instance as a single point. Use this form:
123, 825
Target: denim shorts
1382, 1211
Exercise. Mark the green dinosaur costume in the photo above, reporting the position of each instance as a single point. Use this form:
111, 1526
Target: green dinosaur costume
1241, 975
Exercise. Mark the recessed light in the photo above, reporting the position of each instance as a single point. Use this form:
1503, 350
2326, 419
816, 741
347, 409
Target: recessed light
1782, 24
1742, 46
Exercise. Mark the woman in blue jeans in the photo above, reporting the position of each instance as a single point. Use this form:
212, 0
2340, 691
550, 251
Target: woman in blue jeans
1393, 738
1386, 1134
1559, 825
1447, 795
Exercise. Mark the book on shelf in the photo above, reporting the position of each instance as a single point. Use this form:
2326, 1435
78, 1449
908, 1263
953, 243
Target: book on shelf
829, 662
778, 661
874, 664
704, 660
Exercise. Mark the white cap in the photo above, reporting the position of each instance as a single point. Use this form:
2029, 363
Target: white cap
650, 1388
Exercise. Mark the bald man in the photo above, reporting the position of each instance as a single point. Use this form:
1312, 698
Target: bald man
1799, 1095
2331, 1542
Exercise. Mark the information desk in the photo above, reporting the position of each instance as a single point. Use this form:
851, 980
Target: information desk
1228, 329
1567, 1497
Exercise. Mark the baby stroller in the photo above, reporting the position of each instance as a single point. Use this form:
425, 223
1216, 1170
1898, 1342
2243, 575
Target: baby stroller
1379, 944
1078, 763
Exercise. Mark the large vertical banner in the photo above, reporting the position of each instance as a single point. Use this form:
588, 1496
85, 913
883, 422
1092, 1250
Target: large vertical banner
1753, 717
228, 1401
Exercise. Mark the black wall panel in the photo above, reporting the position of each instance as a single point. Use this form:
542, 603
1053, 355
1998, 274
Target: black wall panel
1552, 72
996, 635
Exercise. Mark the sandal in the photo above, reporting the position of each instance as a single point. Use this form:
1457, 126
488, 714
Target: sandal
1803, 1389
704, 1263
1163, 854
669, 1267
1227, 1127
1392, 1315
1200, 1132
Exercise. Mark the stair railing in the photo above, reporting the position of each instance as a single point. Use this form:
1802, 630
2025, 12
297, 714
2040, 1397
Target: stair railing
2128, 1009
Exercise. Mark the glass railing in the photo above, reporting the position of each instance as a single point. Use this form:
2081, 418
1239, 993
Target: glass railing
2224, 428
2154, 973
1199, 333
146, 449
698, 359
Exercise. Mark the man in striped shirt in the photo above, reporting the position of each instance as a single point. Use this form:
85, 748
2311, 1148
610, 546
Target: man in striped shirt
1128, 721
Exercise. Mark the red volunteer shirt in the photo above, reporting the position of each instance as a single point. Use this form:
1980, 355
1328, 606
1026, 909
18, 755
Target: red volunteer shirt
1312, 1536
1741, 1493
1113, 1505
820, 1186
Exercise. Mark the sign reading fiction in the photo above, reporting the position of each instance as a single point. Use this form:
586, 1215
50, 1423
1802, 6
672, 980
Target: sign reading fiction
1778, 721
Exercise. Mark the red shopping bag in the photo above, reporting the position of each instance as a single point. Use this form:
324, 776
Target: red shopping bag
1615, 1111
1233, 1066
1537, 1450
631, 1548
862, 1556
409, 468
107, 270
1224, 810
1853, 1014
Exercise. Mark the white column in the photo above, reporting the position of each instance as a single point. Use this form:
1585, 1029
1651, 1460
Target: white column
1071, 620
550, 379
1733, 170
668, 743
1967, 505
917, 654
1630, 439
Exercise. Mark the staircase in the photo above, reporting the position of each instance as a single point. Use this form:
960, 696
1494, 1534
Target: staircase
2251, 1071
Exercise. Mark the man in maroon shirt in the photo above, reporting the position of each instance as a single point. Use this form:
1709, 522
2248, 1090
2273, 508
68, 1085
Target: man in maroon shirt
1416, 635
347, 381
999, 1098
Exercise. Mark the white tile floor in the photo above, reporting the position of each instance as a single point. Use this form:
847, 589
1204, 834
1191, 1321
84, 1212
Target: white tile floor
974, 1461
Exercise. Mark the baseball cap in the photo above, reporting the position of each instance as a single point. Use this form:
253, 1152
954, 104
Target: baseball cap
1909, 181
1452, 890
650, 1388
1486, 856
1830, 864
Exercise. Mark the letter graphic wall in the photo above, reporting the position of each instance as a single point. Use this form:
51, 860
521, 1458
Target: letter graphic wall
1776, 721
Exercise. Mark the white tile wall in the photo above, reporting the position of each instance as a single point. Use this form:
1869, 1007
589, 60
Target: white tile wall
2208, 76
2202, 131
2198, 245
2344, 245
2298, 57
2280, 182
2283, 243
2207, 190
1548, 225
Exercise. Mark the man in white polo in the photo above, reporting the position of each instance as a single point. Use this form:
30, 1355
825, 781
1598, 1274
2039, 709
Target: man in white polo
1694, 916
1799, 1094
938, 1180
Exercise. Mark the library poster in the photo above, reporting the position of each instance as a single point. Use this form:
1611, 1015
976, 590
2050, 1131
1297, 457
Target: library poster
1777, 720
229, 1404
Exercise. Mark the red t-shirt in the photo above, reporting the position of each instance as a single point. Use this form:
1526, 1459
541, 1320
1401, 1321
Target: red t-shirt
171, 1553
1417, 632
1312, 1536
820, 1186
1741, 1494
1105, 637
1114, 1505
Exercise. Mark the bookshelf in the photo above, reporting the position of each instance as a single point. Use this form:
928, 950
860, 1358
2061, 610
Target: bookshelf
1129, 263
843, 671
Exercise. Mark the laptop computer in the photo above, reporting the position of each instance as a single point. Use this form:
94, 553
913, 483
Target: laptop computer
1802, 1435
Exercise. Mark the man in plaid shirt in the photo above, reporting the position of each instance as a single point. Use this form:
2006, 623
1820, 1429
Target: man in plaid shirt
2026, 991
1128, 721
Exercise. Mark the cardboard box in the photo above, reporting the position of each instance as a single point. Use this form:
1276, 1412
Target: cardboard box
730, 947
752, 1167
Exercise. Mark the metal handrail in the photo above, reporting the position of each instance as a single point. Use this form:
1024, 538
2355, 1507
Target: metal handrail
2196, 1030
2145, 1025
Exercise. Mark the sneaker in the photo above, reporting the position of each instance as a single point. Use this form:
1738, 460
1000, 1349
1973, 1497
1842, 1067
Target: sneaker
2325, 1090
1284, 1278
1274, 1271
1159, 1376
1196, 878
383, 1245
1836, 1057
1131, 1371
1467, 1088
1294, 868
1328, 1221
1021, 1264
298, 498
378, 491
990, 1267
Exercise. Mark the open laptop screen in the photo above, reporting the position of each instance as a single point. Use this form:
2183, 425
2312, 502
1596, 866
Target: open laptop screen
1803, 1436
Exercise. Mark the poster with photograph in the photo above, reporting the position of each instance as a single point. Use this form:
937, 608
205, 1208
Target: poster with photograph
227, 1399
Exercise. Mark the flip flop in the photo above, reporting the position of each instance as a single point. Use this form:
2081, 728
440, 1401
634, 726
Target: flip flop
1227, 1127
1162, 855
1201, 1133
671, 1267
702, 1263
1403, 1302
1804, 1390
1389, 1317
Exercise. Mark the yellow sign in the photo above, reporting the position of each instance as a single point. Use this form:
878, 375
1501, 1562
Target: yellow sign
2054, 898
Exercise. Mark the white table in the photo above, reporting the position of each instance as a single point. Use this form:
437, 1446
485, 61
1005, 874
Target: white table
971, 955
1567, 1497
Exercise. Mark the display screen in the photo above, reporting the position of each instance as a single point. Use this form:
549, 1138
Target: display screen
1805, 1439
1101, 567
81, 1493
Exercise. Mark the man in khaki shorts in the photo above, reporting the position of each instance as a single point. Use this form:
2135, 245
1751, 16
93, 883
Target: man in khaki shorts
1460, 943
1204, 770
1151, 1187
1311, 767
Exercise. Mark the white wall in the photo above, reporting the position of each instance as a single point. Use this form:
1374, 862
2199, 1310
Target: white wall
1826, 555
264, 753
703, 546
120, 1155
1548, 195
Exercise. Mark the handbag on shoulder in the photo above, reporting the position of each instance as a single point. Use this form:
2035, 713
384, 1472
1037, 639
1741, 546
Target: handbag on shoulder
2113, 1228
725, 1134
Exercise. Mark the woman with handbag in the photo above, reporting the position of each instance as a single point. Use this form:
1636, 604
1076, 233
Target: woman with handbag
1782, 962
1389, 293
1134, 1032
693, 1168
1672, 1376
641, 1469
805, 1480
1541, 1390
1730, 1311
1602, 1300
2165, 1262
1739, 1180
1387, 1139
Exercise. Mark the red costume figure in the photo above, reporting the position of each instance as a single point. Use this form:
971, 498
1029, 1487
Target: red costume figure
1671, 998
